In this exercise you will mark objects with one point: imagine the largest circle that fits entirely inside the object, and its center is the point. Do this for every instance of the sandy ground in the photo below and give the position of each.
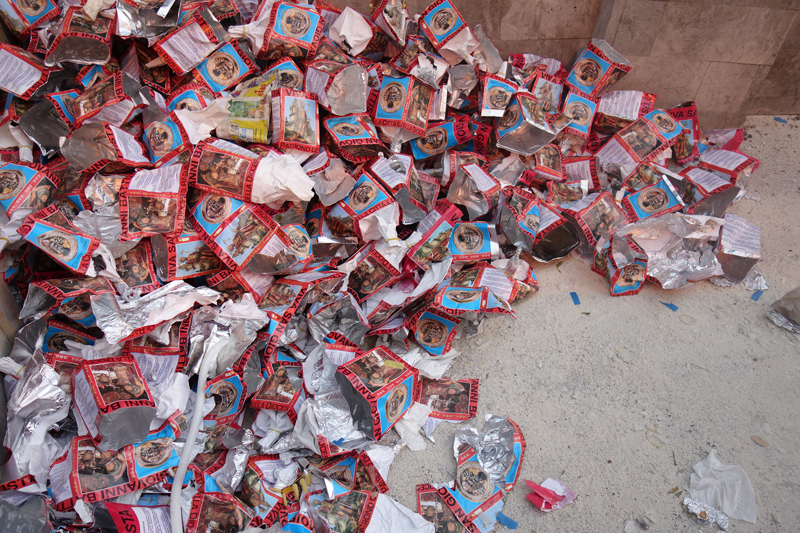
(586, 382)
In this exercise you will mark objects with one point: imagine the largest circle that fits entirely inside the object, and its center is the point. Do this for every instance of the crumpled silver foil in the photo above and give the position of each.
(103, 191)
(37, 302)
(104, 224)
(460, 82)
(28, 339)
(341, 317)
(348, 92)
(706, 514)
(118, 318)
(328, 416)
(679, 259)
(229, 476)
(36, 403)
(783, 322)
(495, 448)
(755, 281)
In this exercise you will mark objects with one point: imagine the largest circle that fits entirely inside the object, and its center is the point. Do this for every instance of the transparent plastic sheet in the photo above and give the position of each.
(348, 92)
(119, 318)
(723, 487)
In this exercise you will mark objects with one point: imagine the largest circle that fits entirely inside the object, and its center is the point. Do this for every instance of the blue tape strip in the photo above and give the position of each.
(506, 521)
(756, 295)
(671, 307)
(779, 119)
(575, 299)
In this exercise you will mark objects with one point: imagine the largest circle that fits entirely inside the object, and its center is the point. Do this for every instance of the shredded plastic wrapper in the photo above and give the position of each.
(244, 236)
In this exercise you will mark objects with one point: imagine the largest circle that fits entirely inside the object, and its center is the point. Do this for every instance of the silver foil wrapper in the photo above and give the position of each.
(495, 448)
(44, 126)
(28, 339)
(783, 322)
(29, 517)
(104, 225)
(220, 337)
(464, 192)
(342, 317)
(103, 191)
(675, 256)
(754, 281)
(37, 302)
(36, 403)
(229, 476)
(118, 318)
(348, 92)
(328, 415)
(706, 514)
(333, 183)
(87, 145)
(486, 56)
(460, 82)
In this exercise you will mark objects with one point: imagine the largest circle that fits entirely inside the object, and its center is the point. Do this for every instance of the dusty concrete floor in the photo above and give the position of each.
(586, 382)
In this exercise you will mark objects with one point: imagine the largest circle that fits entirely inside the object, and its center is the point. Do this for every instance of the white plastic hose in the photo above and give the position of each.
(176, 519)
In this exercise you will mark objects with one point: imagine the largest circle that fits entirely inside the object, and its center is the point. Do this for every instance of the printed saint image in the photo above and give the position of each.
(374, 371)
(434, 510)
(222, 171)
(368, 277)
(300, 120)
(473, 483)
(468, 238)
(119, 381)
(243, 235)
(133, 267)
(603, 218)
(100, 470)
(445, 395)
(418, 108)
(159, 139)
(200, 259)
(278, 387)
(641, 138)
(222, 68)
(151, 215)
(60, 245)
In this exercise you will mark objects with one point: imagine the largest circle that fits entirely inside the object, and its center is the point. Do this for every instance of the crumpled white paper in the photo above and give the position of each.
(408, 427)
(351, 31)
(281, 179)
(391, 516)
(725, 487)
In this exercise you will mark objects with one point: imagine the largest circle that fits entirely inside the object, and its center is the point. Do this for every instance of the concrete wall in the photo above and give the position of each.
(733, 57)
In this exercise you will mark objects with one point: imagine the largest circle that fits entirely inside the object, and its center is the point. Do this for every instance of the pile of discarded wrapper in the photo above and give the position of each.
(293, 210)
